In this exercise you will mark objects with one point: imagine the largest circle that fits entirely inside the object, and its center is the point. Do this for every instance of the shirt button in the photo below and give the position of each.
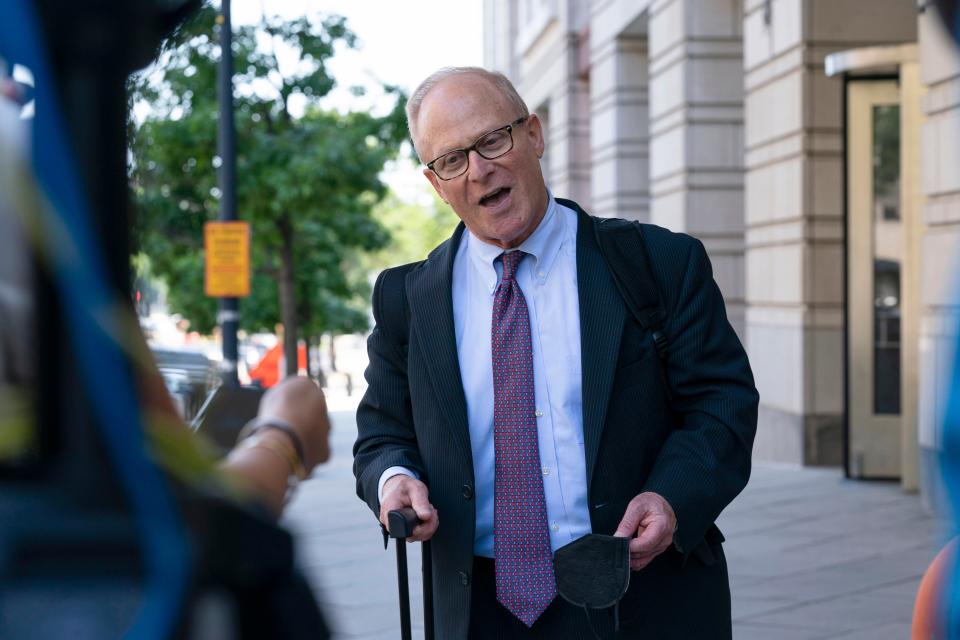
(546, 471)
(540, 273)
(467, 491)
(555, 527)
(538, 413)
(465, 578)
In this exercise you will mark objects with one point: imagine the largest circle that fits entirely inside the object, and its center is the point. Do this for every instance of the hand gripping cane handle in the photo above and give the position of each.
(401, 523)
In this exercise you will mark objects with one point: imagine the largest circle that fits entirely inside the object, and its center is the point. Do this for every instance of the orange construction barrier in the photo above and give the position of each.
(268, 371)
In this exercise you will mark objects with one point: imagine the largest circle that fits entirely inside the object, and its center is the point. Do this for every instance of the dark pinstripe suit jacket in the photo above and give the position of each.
(693, 449)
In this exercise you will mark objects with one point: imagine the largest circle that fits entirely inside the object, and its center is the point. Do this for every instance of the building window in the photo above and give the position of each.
(534, 16)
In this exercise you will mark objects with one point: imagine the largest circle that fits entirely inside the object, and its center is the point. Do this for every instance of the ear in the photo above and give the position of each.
(534, 132)
(435, 181)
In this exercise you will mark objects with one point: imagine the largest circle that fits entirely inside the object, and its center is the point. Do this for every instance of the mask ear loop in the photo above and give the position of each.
(616, 621)
(586, 612)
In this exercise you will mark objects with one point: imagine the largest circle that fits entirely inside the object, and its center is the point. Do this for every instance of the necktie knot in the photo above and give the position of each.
(511, 261)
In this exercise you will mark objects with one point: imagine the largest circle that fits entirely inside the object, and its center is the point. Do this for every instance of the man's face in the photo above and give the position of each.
(501, 201)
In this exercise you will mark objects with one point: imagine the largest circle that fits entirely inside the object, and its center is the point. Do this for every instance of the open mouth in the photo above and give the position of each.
(494, 198)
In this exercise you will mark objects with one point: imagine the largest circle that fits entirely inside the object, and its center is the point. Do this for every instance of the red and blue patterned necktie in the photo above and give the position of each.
(524, 563)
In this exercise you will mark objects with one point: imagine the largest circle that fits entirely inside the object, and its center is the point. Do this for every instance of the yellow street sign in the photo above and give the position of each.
(227, 246)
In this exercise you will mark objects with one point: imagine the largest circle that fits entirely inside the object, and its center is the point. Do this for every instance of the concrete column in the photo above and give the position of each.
(500, 36)
(619, 118)
(794, 213)
(696, 132)
(551, 81)
(940, 313)
(569, 133)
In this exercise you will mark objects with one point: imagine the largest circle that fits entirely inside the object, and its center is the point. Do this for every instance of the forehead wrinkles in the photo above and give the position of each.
(457, 112)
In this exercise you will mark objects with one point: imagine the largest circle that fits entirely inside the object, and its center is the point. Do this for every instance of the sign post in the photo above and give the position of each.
(229, 316)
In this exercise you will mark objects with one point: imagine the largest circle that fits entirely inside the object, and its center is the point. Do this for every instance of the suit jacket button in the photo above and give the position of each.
(465, 578)
(467, 491)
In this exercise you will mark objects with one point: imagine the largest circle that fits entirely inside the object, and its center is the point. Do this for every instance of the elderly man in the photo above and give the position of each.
(517, 405)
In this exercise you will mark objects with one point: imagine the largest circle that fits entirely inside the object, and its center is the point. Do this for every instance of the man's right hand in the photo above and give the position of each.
(403, 491)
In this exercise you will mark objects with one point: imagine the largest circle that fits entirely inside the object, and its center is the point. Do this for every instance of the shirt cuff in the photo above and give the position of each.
(389, 473)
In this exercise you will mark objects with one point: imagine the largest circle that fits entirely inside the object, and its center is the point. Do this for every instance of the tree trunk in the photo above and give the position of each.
(333, 353)
(288, 302)
(319, 377)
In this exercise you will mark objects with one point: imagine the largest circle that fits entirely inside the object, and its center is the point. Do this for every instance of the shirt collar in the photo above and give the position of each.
(543, 245)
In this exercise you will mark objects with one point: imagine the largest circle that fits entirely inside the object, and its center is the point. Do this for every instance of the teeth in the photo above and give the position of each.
(491, 194)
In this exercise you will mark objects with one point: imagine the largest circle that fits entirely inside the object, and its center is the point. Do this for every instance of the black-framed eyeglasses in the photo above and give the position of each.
(490, 145)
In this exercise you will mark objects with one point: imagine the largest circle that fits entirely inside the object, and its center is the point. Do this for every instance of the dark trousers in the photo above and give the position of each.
(489, 620)
(649, 611)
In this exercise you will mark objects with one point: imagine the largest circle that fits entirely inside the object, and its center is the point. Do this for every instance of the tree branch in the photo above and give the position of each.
(284, 89)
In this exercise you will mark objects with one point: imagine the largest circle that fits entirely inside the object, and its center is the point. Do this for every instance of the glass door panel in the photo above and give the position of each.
(875, 251)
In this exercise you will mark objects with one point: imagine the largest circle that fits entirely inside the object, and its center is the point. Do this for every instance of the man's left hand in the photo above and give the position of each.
(650, 521)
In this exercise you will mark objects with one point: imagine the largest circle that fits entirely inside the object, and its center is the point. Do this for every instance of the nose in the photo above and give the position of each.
(478, 167)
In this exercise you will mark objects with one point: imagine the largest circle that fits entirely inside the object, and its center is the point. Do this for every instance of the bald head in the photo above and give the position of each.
(494, 82)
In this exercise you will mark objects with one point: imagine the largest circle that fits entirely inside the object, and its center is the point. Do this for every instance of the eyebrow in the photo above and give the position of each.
(471, 141)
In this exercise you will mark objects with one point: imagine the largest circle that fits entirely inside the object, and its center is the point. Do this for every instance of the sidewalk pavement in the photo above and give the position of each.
(811, 555)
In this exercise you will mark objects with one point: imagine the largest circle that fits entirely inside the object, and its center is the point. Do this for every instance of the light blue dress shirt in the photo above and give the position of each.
(548, 279)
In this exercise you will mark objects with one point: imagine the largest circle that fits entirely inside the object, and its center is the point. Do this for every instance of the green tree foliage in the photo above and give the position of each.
(415, 229)
(306, 183)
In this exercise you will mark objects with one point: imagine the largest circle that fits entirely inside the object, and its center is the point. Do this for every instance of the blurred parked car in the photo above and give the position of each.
(189, 375)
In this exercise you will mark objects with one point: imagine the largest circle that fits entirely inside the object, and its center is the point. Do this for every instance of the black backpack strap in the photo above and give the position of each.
(624, 249)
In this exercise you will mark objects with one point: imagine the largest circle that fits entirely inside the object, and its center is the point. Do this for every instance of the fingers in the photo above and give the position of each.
(649, 538)
(300, 402)
(650, 519)
(323, 439)
(630, 522)
(419, 498)
(426, 528)
(403, 491)
(396, 495)
(420, 501)
(652, 541)
(638, 510)
(636, 564)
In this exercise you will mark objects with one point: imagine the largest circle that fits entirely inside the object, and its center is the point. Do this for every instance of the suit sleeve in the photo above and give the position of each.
(705, 461)
(385, 433)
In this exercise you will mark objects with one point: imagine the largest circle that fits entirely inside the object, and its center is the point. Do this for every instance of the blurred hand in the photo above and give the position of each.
(403, 491)
(300, 402)
(650, 521)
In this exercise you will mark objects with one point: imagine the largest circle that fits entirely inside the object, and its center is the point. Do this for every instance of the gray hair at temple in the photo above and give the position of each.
(497, 79)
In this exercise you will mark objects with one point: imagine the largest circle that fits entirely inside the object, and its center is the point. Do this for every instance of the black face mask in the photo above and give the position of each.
(593, 572)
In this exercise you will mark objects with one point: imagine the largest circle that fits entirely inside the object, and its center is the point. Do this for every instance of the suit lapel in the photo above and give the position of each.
(602, 314)
(431, 313)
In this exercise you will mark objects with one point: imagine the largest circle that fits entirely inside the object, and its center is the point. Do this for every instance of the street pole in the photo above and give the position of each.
(229, 315)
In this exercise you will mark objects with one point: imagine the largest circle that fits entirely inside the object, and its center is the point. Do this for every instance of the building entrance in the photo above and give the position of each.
(882, 121)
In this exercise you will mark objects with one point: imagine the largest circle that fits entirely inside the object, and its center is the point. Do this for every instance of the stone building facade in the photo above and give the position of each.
(812, 145)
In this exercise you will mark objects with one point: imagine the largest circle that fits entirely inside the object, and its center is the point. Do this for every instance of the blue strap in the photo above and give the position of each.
(950, 468)
(96, 316)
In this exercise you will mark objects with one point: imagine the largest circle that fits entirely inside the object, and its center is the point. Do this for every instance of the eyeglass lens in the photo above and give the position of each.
(493, 145)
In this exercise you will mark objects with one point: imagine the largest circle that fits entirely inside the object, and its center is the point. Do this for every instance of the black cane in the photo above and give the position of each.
(427, 564)
(401, 524)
